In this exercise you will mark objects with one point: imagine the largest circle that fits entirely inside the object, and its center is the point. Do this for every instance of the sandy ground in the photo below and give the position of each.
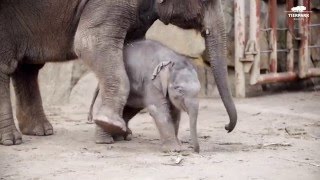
(277, 137)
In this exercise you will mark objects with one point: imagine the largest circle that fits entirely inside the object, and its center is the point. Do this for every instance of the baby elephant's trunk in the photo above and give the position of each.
(192, 110)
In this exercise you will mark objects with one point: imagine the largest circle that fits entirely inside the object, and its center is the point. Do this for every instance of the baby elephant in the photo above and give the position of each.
(165, 83)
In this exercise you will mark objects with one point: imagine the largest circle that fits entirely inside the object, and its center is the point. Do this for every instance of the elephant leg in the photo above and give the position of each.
(101, 49)
(90, 114)
(8, 131)
(176, 116)
(101, 136)
(128, 113)
(161, 115)
(30, 114)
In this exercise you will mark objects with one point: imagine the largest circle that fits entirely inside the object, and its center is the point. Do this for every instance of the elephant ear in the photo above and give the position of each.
(160, 76)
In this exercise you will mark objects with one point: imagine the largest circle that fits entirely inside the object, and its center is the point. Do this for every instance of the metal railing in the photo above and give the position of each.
(247, 50)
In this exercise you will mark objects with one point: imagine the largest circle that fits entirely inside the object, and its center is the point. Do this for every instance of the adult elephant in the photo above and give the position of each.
(33, 33)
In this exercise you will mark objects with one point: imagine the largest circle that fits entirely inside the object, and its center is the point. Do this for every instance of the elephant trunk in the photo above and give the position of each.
(215, 41)
(192, 106)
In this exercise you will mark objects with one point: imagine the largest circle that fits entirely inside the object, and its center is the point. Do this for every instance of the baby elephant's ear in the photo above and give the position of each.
(160, 76)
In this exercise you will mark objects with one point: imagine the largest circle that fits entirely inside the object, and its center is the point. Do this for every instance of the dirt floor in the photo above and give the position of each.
(277, 137)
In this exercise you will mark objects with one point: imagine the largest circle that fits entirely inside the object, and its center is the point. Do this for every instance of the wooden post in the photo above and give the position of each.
(239, 27)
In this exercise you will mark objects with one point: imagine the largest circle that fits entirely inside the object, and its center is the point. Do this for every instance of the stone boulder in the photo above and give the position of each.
(186, 42)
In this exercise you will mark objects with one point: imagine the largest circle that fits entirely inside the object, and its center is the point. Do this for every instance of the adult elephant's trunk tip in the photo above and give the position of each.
(232, 112)
(229, 127)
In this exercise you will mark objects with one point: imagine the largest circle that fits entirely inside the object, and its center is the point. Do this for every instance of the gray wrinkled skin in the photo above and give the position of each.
(165, 83)
(35, 32)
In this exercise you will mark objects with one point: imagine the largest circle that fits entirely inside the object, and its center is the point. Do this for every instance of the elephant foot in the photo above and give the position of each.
(127, 136)
(102, 137)
(171, 146)
(40, 127)
(118, 138)
(10, 136)
(196, 148)
(115, 126)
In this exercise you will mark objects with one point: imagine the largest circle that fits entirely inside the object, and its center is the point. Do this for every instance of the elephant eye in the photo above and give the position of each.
(178, 89)
(203, 1)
